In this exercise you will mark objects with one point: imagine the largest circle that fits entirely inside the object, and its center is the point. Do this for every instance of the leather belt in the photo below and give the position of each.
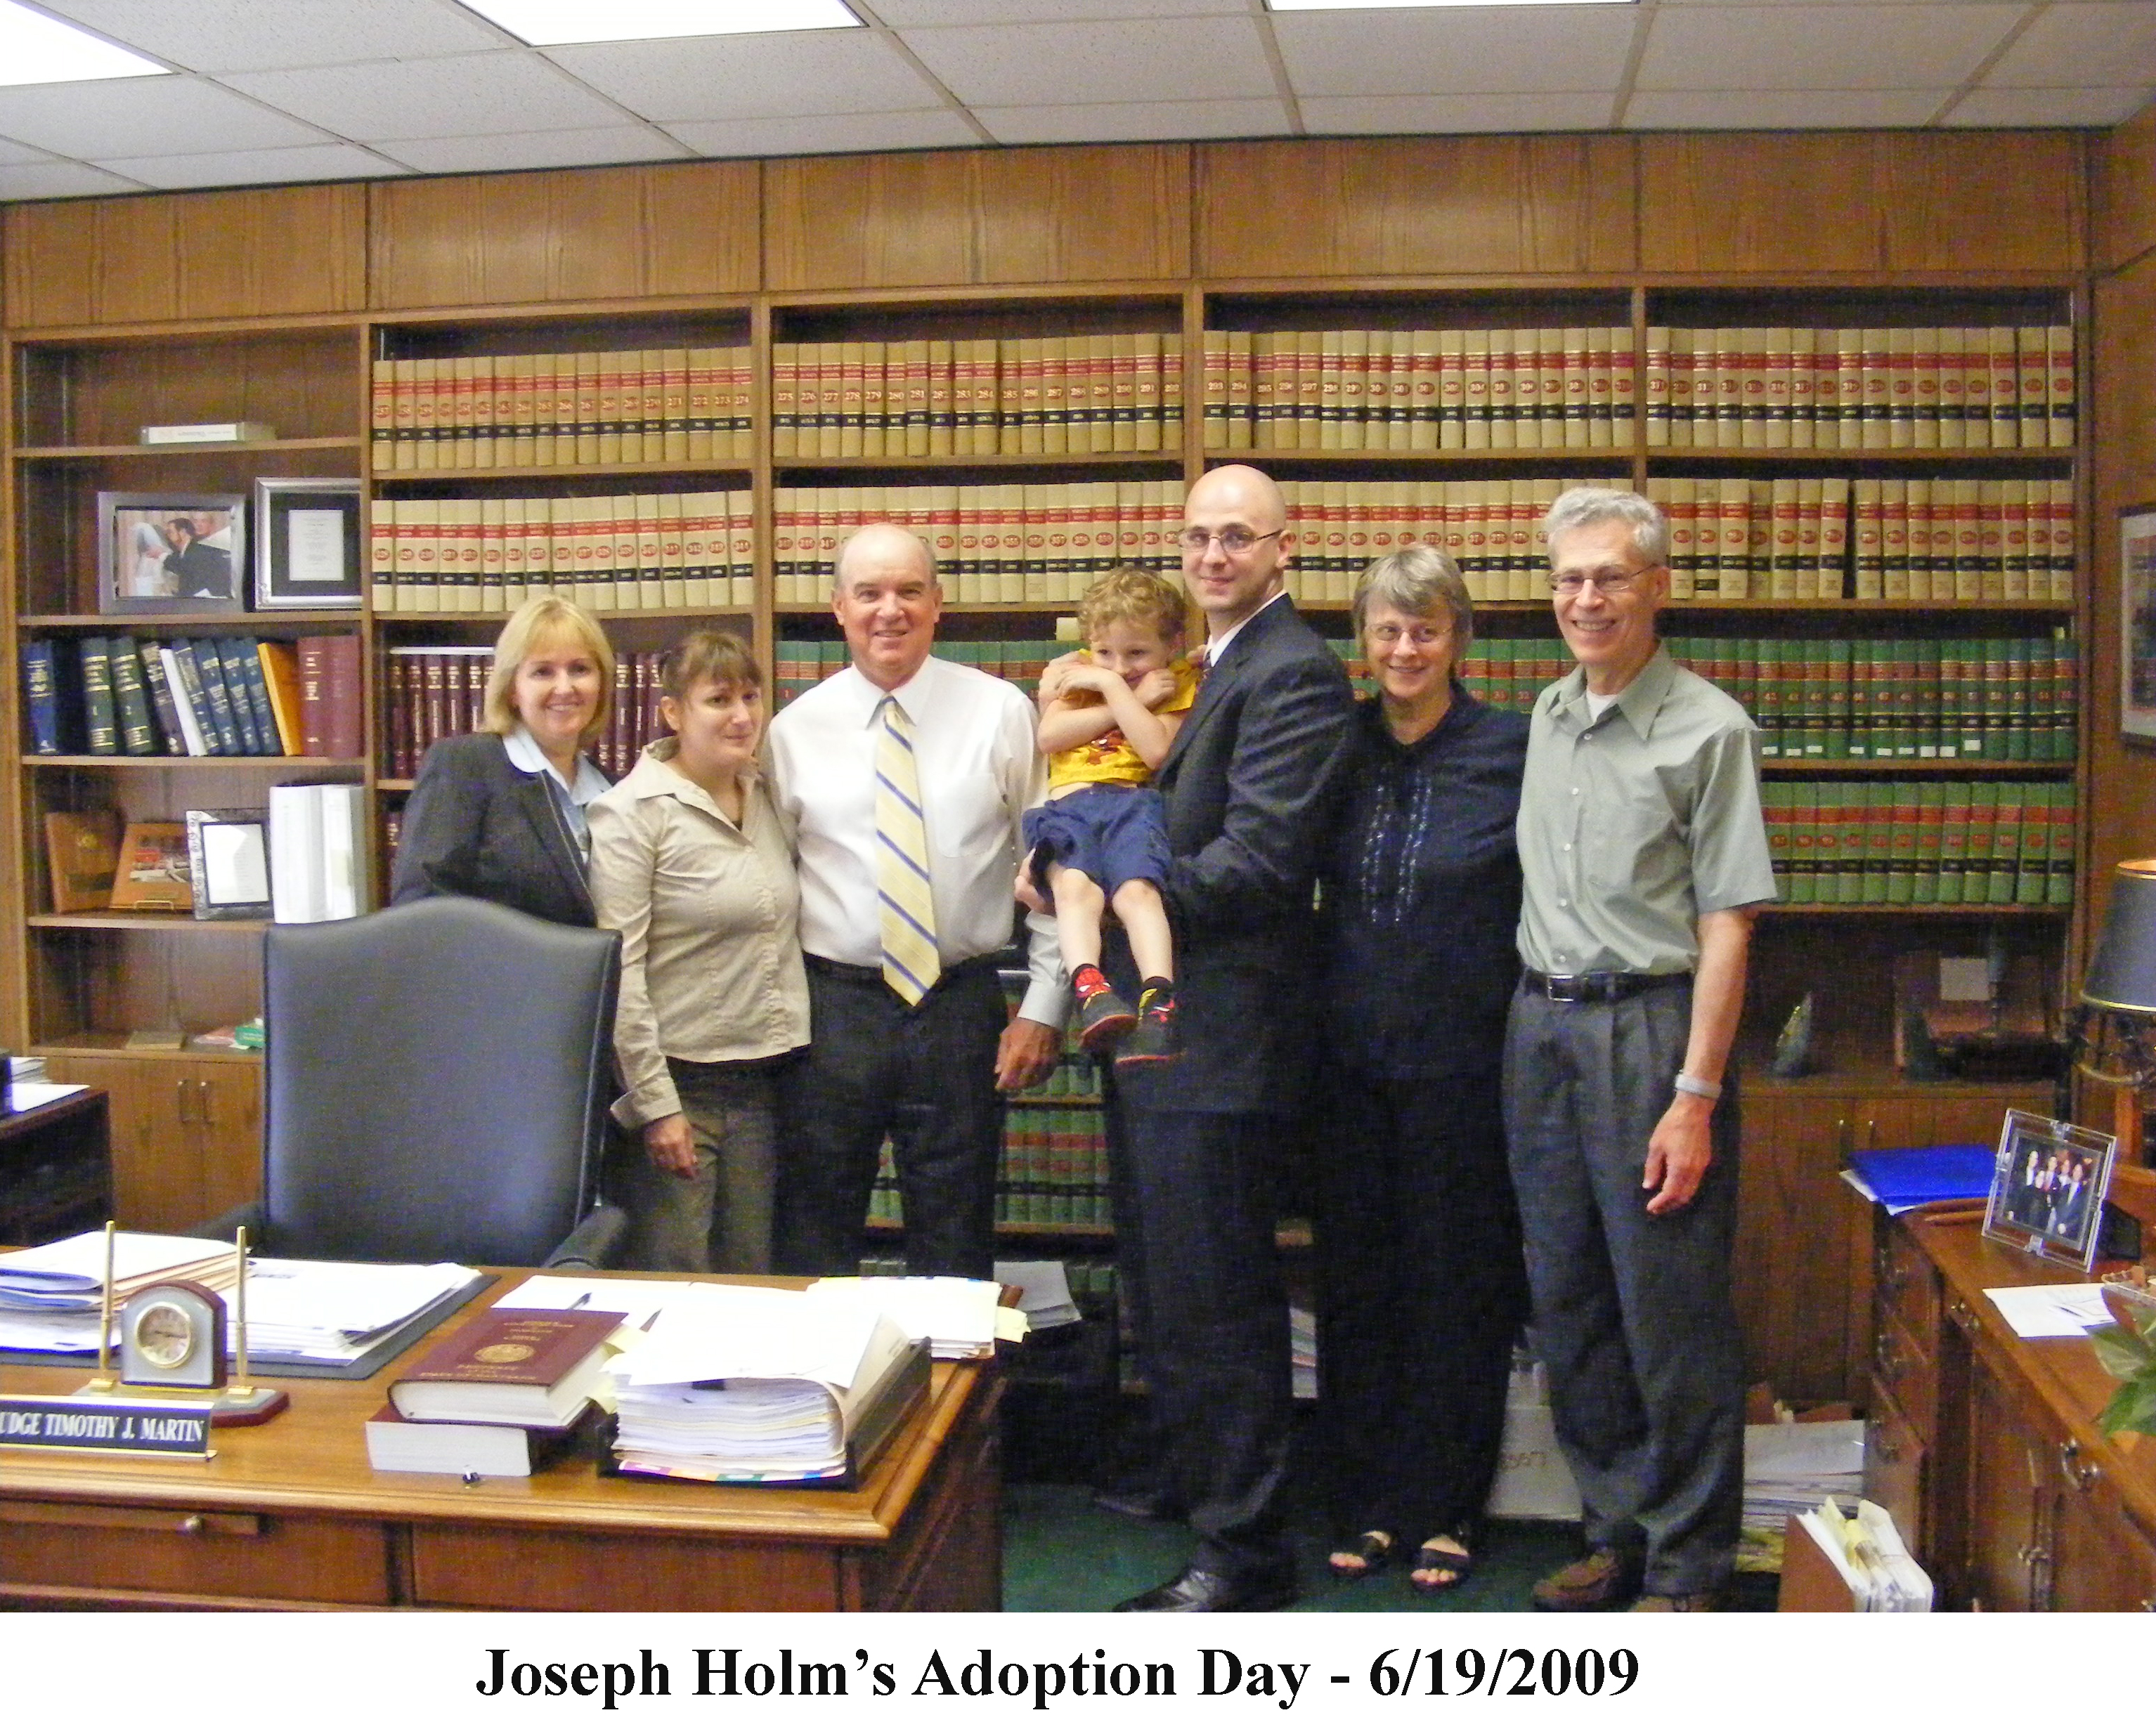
(1599, 988)
(866, 975)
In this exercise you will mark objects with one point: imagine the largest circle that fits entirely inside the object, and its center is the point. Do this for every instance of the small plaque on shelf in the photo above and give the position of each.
(153, 873)
(207, 433)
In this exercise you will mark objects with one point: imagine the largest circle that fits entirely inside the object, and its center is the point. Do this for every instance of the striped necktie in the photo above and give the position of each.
(910, 964)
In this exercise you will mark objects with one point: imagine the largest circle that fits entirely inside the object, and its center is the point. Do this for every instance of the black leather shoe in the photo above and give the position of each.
(1199, 1591)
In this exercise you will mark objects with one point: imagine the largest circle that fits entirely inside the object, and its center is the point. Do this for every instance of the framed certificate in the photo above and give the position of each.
(306, 543)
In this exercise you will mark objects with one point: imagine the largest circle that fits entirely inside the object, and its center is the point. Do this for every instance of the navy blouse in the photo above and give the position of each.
(1420, 896)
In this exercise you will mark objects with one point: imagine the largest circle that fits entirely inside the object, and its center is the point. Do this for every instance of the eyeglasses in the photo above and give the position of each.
(1236, 541)
(1609, 580)
(1421, 636)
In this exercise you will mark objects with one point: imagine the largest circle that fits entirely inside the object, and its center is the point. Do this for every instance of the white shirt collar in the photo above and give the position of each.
(525, 754)
(1216, 649)
(913, 696)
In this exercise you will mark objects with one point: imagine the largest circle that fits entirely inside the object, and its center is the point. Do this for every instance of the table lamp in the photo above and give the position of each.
(2112, 1035)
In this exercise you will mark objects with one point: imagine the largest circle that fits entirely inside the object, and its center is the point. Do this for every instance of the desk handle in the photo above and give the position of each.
(1963, 1314)
(2083, 1475)
(1884, 1448)
(1887, 1364)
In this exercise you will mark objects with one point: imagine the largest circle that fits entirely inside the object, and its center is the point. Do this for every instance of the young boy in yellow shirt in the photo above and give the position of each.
(1107, 716)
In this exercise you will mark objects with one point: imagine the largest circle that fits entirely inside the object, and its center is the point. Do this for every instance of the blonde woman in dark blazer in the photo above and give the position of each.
(499, 814)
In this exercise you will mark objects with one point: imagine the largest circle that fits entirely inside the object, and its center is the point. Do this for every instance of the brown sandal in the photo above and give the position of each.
(1442, 1553)
(1372, 1550)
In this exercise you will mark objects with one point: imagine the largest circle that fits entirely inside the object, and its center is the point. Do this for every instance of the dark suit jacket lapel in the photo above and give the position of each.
(537, 802)
(1220, 680)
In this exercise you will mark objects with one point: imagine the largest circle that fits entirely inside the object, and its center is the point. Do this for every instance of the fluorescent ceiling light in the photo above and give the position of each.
(35, 50)
(1420, 5)
(545, 23)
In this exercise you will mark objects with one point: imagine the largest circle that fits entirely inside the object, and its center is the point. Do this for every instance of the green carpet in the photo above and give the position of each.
(1064, 1554)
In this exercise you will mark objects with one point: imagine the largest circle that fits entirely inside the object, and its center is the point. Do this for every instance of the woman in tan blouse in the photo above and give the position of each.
(691, 864)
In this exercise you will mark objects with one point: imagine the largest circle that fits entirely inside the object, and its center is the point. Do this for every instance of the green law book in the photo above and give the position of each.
(1954, 801)
(1902, 799)
(1878, 847)
(1931, 814)
(1800, 876)
(2003, 853)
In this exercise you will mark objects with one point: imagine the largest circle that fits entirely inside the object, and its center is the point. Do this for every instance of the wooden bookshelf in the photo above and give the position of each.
(275, 305)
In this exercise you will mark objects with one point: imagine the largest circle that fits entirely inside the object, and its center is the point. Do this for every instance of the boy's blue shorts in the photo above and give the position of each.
(1111, 833)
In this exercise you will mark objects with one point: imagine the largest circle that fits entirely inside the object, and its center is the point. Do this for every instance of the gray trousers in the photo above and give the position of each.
(718, 1218)
(1632, 1312)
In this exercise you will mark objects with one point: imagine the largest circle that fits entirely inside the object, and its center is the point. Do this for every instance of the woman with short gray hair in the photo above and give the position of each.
(1421, 1287)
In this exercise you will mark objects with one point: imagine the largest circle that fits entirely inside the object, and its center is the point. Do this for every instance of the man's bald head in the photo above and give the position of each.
(1234, 503)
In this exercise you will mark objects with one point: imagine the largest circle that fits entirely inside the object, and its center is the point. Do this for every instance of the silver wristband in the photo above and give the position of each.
(1699, 1087)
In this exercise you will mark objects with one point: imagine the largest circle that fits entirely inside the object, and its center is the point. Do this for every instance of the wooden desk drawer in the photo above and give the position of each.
(1908, 1372)
(1906, 1286)
(205, 1552)
(453, 1566)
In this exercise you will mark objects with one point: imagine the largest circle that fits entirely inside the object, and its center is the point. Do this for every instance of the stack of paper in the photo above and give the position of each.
(1868, 1551)
(1044, 1291)
(303, 1309)
(958, 1316)
(737, 1383)
(51, 1296)
(1790, 1466)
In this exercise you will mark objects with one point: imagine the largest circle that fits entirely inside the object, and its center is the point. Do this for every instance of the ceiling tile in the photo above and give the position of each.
(734, 77)
(2078, 45)
(1367, 54)
(819, 134)
(1742, 110)
(581, 148)
(1095, 123)
(1524, 111)
(138, 117)
(908, 14)
(1822, 48)
(60, 180)
(257, 35)
(475, 93)
(254, 168)
(2018, 107)
(1143, 60)
(12, 153)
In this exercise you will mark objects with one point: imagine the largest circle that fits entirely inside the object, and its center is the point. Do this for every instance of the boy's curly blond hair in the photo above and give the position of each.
(1135, 593)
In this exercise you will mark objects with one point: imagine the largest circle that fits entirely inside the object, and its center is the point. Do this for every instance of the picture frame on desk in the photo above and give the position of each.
(2136, 622)
(2048, 1186)
(307, 542)
(228, 857)
(161, 553)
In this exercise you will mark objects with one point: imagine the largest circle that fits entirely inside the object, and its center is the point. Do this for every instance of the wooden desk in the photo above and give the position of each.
(55, 1168)
(1984, 1445)
(290, 1515)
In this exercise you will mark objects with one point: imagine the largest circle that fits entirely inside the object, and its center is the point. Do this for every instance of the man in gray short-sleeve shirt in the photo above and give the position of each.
(1644, 856)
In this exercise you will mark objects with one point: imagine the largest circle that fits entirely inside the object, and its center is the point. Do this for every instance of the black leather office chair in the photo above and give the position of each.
(439, 1075)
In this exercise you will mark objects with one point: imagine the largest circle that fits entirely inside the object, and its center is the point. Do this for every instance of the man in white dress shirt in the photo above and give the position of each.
(904, 778)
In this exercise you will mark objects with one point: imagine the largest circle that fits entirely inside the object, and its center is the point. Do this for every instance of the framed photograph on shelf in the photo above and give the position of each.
(172, 553)
(306, 543)
(229, 855)
(2048, 1186)
(2136, 622)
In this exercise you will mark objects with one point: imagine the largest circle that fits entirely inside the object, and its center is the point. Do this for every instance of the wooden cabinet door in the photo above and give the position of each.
(2008, 1485)
(156, 1168)
(2100, 1561)
(225, 1108)
(1802, 1284)
(186, 1135)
